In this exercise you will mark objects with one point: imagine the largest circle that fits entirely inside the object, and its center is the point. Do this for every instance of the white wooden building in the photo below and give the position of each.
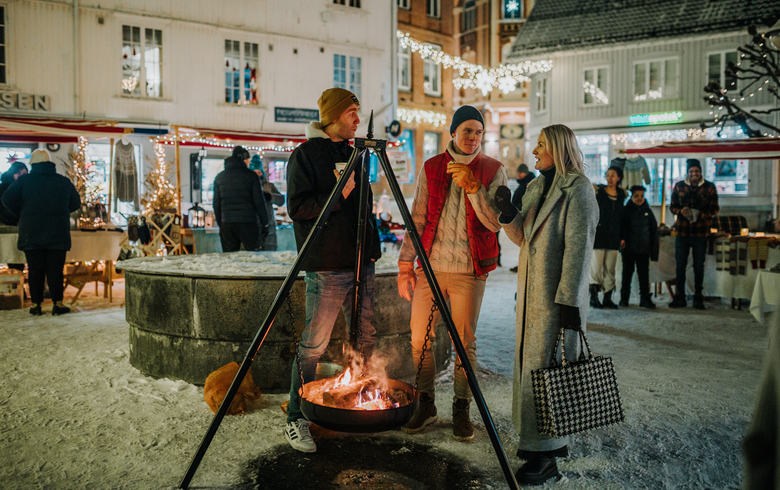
(237, 65)
(631, 75)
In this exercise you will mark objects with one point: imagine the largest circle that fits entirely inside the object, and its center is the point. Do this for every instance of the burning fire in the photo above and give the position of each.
(356, 392)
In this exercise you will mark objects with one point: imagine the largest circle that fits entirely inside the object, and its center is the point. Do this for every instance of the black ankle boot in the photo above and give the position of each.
(624, 299)
(607, 303)
(540, 468)
(594, 296)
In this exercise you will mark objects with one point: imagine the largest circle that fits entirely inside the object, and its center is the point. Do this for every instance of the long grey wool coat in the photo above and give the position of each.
(556, 244)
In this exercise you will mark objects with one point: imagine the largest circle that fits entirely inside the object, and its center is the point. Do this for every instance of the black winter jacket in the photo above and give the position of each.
(43, 201)
(6, 218)
(610, 219)
(238, 195)
(517, 197)
(640, 230)
(310, 181)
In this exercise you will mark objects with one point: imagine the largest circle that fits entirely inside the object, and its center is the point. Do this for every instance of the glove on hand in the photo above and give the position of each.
(267, 196)
(570, 318)
(264, 230)
(407, 279)
(504, 204)
(464, 177)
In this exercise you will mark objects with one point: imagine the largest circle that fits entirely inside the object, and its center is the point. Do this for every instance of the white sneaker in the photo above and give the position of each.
(298, 435)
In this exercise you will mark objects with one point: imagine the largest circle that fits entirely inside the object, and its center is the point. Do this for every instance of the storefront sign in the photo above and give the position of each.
(292, 115)
(649, 119)
(18, 101)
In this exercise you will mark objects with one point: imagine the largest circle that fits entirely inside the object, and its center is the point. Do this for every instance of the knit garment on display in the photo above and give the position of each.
(722, 254)
(738, 256)
(125, 174)
(635, 172)
(758, 251)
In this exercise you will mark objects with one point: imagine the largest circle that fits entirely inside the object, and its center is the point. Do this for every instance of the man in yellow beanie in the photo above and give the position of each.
(330, 265)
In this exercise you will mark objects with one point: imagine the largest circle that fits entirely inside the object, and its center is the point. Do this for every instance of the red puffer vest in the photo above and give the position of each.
(482, 242)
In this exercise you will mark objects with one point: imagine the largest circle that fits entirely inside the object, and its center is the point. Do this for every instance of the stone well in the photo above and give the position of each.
(191, 314)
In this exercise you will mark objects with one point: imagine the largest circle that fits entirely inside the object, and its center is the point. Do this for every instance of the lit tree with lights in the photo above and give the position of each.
(758, 70)
(160, 193)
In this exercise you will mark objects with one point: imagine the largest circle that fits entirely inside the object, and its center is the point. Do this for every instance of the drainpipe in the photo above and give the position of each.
(393, 62)
(76, 102)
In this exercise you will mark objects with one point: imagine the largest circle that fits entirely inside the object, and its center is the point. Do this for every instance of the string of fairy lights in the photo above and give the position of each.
(505, 77)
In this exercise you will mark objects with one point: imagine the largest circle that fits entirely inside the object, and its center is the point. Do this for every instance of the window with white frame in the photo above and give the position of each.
(541, 94)
(433, 8)
(348, 3)
(347, 76)
(716, 69)
(141, 61)
(595, 85)
(512, 9)
(2, 46)
(403, 4)
(656, 79)
(241, 65)
(432, 75)
(404, 68)
(469, 18)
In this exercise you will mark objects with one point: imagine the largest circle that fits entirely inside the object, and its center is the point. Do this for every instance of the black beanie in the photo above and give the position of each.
(692, 162)
(463, 114)
(241, 153)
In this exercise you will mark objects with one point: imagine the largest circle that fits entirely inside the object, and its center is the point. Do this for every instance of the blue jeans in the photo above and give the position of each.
(698, 245)
(326, 293)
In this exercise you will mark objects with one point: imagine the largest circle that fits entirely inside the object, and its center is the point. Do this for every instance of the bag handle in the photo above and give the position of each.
(561, 341)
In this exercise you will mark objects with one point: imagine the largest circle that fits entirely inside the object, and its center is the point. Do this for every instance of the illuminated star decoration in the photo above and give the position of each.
(512, 6)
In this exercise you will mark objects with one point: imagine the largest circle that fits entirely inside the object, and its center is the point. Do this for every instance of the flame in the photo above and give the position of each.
(344, 379)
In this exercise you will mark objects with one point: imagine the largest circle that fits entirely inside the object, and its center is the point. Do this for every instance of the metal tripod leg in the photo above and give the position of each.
(281, 296)
(363, 255)
(411, 231)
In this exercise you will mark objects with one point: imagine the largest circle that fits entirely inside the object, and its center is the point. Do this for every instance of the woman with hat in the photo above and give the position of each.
(43, 201)
(610, 198)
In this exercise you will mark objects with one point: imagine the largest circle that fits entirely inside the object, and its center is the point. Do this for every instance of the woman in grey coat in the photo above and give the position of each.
(555, 232)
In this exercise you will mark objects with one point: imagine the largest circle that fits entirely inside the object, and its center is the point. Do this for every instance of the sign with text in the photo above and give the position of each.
(18, 101)
(650, 119)
(400, 162)
(293, 115)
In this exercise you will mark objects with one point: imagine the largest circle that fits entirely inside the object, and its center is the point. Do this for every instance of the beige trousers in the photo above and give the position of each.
(602, 268)
(464, 294)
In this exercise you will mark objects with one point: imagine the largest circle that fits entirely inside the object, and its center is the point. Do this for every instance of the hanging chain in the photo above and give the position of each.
(359, 325)
(296, 338)
(434, 307)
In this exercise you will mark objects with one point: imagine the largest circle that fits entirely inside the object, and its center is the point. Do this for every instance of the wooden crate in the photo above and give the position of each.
(11, 289)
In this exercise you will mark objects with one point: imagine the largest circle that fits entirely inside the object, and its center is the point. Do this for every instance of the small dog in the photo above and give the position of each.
(218, 383)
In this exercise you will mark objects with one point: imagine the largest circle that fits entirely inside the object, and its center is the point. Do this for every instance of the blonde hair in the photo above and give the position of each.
(563, 147)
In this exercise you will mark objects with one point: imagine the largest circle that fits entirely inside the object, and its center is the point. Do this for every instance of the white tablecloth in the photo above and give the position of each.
(85, 246)
(766, 295)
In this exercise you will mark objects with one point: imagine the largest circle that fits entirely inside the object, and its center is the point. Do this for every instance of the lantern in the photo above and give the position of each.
(196, 216)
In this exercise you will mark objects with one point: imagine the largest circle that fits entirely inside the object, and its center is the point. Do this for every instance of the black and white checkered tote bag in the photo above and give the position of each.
(574, 397)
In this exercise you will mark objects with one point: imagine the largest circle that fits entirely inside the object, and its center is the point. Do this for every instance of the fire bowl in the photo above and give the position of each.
(361, 421)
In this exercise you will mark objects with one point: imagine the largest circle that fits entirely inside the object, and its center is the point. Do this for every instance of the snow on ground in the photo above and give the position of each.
(75, 414)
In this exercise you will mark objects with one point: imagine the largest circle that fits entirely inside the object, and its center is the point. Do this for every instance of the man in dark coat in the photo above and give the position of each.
(330, 264)
(524, 177)
(639, 231)
(43, 201)
(239, 204)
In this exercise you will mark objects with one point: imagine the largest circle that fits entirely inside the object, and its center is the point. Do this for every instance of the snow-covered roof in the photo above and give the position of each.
(558, 25)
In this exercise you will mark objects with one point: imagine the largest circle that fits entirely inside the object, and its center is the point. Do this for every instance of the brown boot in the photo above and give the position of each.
(424, 416)
(462, 429)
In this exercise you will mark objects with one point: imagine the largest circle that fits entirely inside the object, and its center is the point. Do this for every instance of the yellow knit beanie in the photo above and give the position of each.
(333, 102)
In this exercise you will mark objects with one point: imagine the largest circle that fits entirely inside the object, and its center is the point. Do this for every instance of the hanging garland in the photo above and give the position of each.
(504, 77)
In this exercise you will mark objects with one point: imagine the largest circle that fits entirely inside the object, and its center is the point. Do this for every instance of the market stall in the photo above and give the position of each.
(94, 248)
(205, 238)
(728, 283)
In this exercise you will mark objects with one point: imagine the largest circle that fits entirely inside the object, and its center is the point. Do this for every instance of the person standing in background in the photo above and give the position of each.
(239, 205)
(43, 201)
(695, 202)
(639, 232)
(272, 197)
(610, 199)
(524, 177)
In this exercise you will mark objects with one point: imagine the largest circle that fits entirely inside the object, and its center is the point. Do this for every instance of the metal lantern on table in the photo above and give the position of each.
(196, 216)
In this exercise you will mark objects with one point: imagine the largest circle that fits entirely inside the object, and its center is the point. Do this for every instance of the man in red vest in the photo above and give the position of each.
(457, 225)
